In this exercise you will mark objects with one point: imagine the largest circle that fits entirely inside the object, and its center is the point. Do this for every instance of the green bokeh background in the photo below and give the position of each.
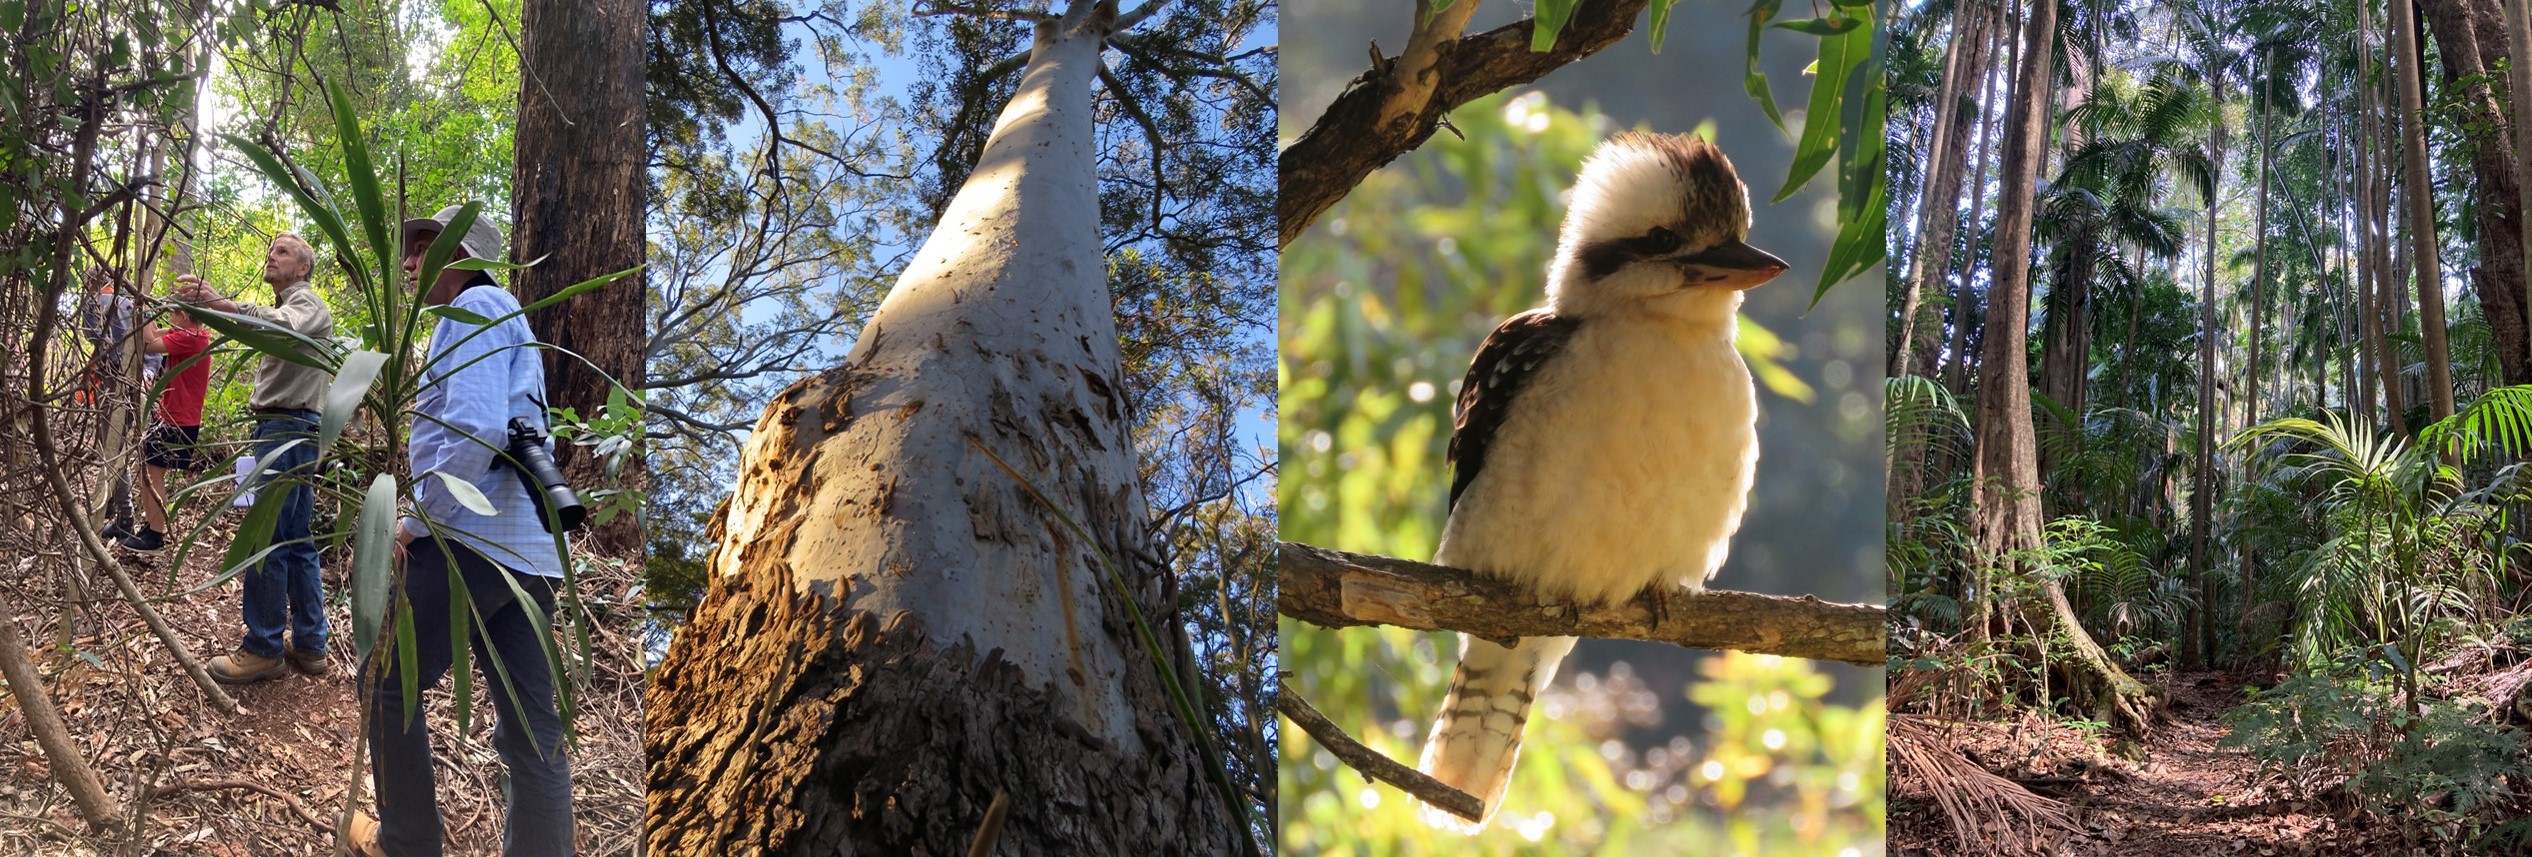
(1638, 748)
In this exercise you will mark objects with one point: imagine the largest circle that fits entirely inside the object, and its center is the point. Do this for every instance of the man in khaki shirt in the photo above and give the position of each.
(283, 592)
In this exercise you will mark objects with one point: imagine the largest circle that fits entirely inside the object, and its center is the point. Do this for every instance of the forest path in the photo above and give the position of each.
(142, 723)
(2184, 796)
(2190, 797)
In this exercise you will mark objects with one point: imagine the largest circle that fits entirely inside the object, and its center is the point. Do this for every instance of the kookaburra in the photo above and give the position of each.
(1603, 445)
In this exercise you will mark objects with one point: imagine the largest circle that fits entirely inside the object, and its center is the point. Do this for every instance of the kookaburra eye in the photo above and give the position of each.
(1660, 241)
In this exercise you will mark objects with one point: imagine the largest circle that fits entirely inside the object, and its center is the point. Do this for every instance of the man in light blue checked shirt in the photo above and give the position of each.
(477, 378)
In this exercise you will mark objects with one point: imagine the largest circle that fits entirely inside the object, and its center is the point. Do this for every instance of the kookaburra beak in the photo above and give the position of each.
(1732, 265)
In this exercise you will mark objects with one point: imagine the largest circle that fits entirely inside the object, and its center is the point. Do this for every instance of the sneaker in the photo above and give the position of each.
(116, 530)
(145, 541)
(245, 667)
(360, 838)
(307, 663)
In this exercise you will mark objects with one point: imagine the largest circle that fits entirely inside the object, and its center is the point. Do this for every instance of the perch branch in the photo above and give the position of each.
(1367, 127)
(1370, 762)
(1336, 589)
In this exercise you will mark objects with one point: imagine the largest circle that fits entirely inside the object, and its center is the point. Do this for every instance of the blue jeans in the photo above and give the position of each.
(528, 731)
(283, 590)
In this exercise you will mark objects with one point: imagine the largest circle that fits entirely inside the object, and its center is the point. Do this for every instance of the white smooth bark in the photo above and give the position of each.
(1000, 333)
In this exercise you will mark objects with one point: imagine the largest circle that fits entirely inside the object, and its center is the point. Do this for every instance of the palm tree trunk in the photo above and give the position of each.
(2198, 648)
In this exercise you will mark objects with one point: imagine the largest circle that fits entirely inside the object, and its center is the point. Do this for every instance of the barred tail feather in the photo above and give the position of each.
(1478, 737)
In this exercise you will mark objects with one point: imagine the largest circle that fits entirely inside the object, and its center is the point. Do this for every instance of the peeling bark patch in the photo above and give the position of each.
(783, 724)
(1099, 387)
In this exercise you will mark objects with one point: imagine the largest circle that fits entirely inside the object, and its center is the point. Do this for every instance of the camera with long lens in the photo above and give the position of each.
(542, 479)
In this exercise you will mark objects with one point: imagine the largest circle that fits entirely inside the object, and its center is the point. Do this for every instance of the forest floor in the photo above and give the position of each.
(2183, 797)
(270, 780)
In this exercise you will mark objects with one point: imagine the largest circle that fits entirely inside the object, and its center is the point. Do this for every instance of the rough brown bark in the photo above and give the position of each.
(1335, 589)
(849, 732)
(577, 191)
(1350, 140)
(2007, 470)
(2470, 39)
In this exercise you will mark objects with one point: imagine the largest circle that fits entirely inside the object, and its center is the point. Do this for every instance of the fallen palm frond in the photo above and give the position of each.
(1988, 814)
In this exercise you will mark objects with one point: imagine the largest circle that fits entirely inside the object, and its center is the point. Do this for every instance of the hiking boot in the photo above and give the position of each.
(245, 667)
(116, 530)
(145, 541)
(307, 663)
(360, 838)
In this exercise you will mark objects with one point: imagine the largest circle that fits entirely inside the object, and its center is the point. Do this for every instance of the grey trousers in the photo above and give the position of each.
(528, 734)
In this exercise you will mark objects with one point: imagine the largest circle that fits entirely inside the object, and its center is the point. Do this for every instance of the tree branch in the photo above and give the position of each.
(1335, 589)
(1351, 139)
(1369, 762)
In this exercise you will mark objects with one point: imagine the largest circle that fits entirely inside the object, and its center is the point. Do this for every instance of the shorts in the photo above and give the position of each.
(171, 447)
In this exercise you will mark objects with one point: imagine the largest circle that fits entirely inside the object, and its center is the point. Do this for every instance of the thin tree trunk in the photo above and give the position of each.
(911, 607)
(44, 724)
(1955, 369)
(1982, 600)
(2200, 645)
(2420, 197)
(1938, 221)
(578, 192)
(1938, 211)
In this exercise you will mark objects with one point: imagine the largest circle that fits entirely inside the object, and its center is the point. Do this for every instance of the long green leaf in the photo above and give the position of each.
(373, 565)
(1839, 57)
(363, 177)
(351, 384)
(467, 494)
(256, 530)
(327, 219)
(1550, 18)
(267, 338)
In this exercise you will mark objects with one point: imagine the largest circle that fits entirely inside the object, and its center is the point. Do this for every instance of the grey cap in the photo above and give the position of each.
(482, 241)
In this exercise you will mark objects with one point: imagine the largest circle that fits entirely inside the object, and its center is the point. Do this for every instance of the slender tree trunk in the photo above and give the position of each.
(577, 190)
(911, 606)
(2201, 643)
(2406, 56)
(1938, 220)
(1955, 371)
(1938, 210)
(2390, 305)
(2266, 140)
(44, 724)
(1965, 324)
(2007, 468)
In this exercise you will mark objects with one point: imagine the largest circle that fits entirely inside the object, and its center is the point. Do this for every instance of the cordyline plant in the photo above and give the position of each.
(378, 372)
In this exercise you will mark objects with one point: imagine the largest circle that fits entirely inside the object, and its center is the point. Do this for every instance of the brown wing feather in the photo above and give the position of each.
(1507, 361)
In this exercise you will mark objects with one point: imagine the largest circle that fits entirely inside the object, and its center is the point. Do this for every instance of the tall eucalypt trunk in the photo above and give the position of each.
(899, 627)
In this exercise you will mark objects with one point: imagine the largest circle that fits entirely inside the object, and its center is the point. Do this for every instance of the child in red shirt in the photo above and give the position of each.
(179, 424)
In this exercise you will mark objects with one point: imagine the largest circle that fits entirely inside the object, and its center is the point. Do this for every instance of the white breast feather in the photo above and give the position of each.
(1625, 464)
